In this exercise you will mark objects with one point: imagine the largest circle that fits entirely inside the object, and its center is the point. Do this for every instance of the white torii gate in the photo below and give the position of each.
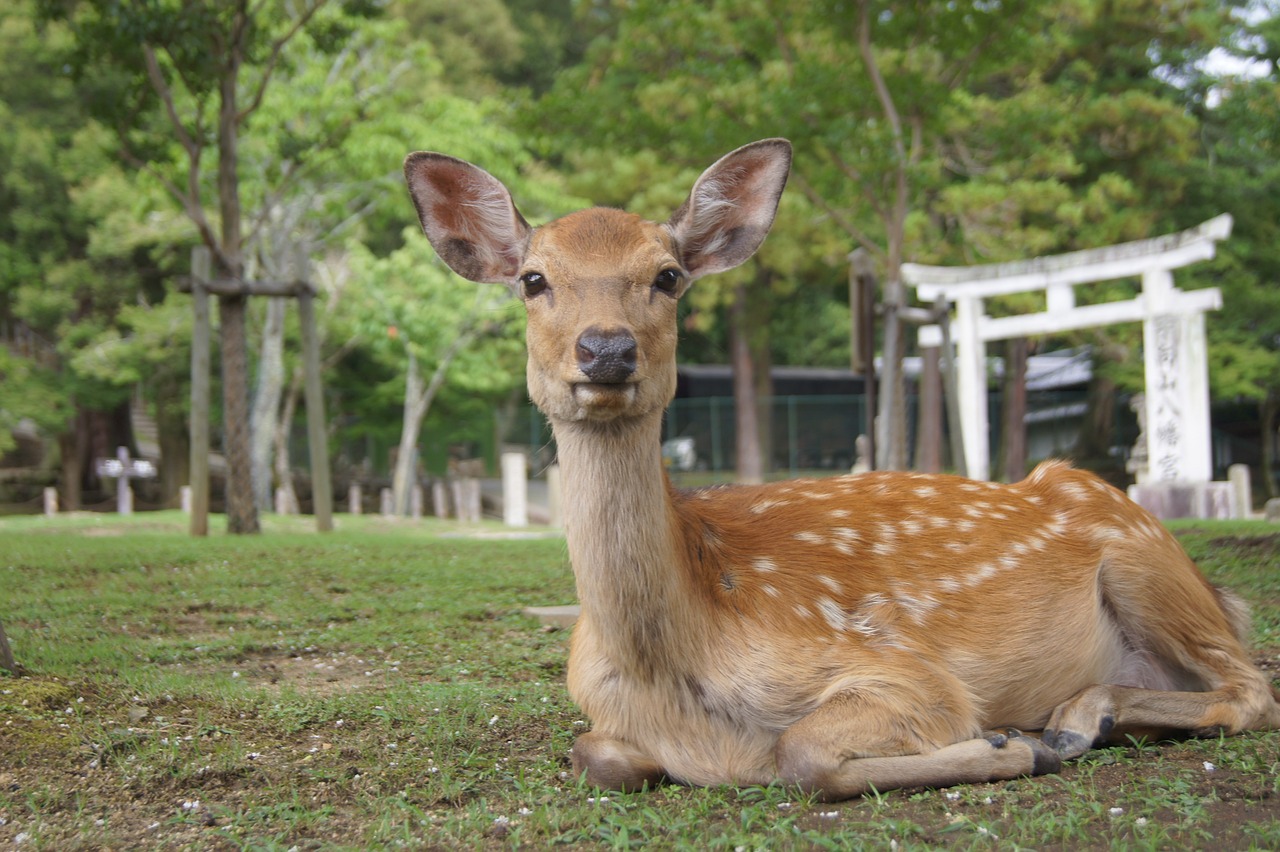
(1177, 374)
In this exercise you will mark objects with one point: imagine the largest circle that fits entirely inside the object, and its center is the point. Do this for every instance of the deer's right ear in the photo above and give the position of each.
(468, 216)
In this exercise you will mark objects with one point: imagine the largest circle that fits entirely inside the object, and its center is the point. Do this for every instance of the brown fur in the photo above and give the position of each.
(844, 634)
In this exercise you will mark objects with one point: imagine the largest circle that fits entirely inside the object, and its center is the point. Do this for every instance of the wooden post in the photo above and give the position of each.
(1013, 455)
(355, 499)
(863, 273)
(50, 502)
(201, 270)
(321, 487)
(950, 392)
(929, 430)
(6, 653)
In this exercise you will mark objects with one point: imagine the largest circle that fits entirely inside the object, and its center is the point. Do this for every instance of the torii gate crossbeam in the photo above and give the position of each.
(1176, 367)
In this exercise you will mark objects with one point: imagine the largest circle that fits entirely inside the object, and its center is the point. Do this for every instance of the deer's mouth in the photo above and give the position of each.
(604, 395)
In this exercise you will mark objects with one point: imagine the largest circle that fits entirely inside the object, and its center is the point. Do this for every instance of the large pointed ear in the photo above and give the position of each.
(731, 207)
(468, 216)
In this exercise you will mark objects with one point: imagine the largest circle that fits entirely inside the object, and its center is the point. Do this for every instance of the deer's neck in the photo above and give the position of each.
(625, 546)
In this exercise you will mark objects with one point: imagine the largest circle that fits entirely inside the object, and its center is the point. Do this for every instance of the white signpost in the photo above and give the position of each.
(123, 469)
(1177, 379)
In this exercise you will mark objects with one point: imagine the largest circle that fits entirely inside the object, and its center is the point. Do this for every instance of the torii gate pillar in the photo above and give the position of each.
(1175, 351)
(1176, 362)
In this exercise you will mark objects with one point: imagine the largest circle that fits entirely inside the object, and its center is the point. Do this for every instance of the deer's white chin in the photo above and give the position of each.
(603, 401)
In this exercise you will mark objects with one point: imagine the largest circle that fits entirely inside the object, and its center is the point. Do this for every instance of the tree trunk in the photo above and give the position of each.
(1013, 429)
(417, 402)
(929, 435)
(72, 466)
(175, 451)
(242, 513)
(281, 431)
(266, 401)
(1269, 412)
(1093, 443)
(746, 411)
(405, 474)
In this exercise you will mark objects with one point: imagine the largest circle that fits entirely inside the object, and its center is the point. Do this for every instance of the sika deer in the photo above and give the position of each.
(841, 634)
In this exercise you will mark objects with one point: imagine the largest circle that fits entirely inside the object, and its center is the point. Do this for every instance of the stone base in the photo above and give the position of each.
(1167, 500)
(559, 617)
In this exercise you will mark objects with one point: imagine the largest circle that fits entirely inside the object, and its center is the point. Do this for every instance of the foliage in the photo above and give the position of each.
(936, 132)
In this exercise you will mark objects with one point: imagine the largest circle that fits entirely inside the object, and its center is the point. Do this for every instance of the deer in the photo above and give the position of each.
(843, 635)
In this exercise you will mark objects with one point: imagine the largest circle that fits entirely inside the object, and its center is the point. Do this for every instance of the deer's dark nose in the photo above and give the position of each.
(607, 357)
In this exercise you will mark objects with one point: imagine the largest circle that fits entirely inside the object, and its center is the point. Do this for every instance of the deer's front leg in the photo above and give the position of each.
(855, 744)
(614, 765)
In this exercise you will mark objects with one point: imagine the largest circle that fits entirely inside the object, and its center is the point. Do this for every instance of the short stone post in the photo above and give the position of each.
(515, 490)
(355, 499)
(440, 498)
(1241, 491)
(184, 499)
(415, 502)
(50, 502)
(386, 506)
(466, 499)
(1272, 511)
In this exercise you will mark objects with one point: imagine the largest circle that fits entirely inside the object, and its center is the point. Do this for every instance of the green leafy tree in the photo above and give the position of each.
(939, 132)
(179, 84)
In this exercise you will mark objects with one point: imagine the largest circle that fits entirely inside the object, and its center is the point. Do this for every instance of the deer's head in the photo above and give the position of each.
(600, 286)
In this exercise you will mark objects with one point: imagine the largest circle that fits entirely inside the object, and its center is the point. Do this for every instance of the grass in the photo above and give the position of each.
(378, 687)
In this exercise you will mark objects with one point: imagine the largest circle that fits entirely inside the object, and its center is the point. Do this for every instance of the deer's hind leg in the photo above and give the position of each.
(1196, 676)
(858, 742)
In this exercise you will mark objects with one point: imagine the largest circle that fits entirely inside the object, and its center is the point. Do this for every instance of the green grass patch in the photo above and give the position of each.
(379, 686)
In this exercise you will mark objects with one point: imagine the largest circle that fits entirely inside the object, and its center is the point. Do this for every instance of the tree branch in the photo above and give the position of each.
(161, 86)
(818, 200)
(273, 60)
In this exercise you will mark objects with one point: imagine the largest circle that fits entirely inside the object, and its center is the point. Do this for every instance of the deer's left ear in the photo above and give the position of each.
(731, 208)
(468, 216)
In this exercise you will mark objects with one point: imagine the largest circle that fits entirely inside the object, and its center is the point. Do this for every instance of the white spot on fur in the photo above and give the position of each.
(926, 491)
(950, 585)
(764, 564)
(984, 571)
(839, 513)
(810, 537)
(911, 526)
(769, 590)
(765, 505)
(832, 612)
(965, 525)
(830, 583)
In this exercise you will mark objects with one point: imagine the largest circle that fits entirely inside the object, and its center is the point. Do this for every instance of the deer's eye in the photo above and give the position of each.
(532, 284)
(667, 281)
